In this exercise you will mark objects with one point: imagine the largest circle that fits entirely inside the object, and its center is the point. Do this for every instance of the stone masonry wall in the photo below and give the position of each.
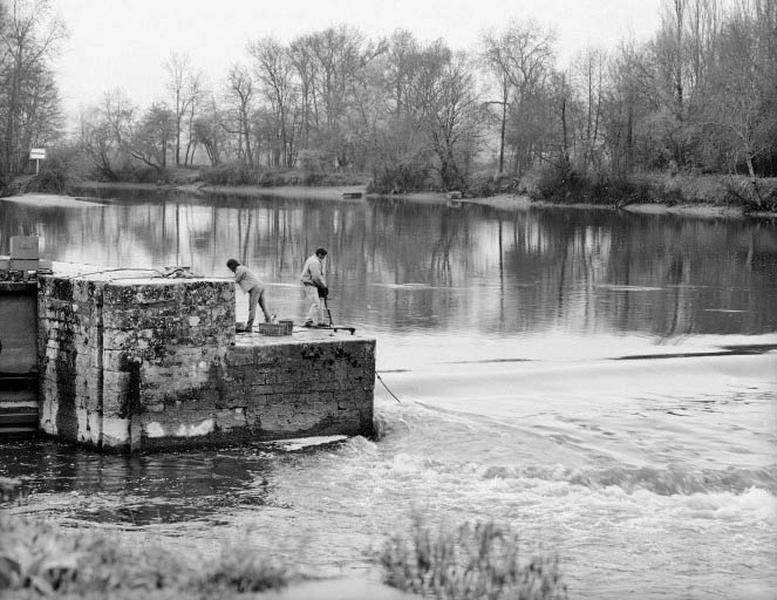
(70, 358)
(147, 364)
(270, 388)
(162, 340)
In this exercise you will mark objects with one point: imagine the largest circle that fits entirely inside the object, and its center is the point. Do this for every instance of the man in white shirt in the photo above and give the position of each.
(314, 283)
(251, 285)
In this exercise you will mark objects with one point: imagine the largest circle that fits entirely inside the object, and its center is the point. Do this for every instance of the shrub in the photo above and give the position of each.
(398, 179)
(146, 174)
(557, 184)
(313, 178)
(483, 185)
(51, 179)
(753, 194)
(312, 160)
(57, 174)
(560, 184)
(231, 174)
(471, 562)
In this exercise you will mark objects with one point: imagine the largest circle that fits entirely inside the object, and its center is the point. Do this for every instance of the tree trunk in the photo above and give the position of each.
(565, 149)
(505, 98)
(178, 114)
(750, 169)
(629, 140)
(247, 139)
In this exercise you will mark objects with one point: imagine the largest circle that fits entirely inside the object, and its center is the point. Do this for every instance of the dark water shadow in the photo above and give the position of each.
(138, 490)
(738, 350)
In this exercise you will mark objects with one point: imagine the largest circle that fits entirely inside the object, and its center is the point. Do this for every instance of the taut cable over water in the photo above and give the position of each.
(377, 374)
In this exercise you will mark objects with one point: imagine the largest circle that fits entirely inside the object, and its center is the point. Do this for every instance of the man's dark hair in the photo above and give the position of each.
(321, 252)
(232, 264)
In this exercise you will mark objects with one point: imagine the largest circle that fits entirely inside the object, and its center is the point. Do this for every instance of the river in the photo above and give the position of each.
(604, 382)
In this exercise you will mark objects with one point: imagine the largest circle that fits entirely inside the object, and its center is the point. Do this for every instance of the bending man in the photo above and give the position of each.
(251, 285)
(315, 288)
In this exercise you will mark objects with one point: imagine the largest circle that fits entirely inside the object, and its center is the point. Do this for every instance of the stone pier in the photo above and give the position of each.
(144, 364)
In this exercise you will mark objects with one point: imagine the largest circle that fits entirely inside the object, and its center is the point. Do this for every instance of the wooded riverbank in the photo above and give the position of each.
(697, 97)
(692, 195)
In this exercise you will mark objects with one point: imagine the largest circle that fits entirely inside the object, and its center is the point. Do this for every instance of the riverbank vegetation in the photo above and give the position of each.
(563, 187)
(698, 98)
(471, 562)
(38, 560)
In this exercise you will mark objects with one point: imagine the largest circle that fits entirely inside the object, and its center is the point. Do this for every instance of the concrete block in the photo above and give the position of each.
(24, 247)
(24, 264)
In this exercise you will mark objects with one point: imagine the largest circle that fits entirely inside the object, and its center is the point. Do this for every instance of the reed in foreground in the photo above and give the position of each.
(471, 562)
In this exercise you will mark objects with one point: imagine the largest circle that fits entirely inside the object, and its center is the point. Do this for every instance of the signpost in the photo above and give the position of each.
(37, 154)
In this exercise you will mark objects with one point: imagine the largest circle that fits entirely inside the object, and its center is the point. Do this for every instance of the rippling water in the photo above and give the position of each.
(604, 382)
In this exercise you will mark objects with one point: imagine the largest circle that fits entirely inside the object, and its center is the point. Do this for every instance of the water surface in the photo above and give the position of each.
(605, 382)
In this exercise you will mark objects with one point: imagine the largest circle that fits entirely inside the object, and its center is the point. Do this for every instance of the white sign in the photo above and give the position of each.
(37, 154)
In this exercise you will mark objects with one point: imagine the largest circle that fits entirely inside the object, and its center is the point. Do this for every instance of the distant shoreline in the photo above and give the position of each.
(504, 201)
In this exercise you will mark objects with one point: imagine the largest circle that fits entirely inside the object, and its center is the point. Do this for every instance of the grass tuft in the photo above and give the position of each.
(38, 560)
(471, 562)
(245, 572)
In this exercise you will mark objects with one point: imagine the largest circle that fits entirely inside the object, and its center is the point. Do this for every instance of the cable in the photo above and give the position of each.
(175, 273)
(159, 273)
(387, 387)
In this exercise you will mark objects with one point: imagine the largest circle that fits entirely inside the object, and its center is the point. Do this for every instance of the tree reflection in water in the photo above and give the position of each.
(396, 264)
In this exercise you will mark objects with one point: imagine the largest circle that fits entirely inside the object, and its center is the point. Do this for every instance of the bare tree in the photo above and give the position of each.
(274, 70)
(624, 106)
(450, 110)
(743, 97)
(403, 50)
(151, 139)
(97, 143)
(395, 146)
(209, 132)
(119, 113)
(196, 94)
(303, 60)
(590, 83)
(184, 87)
(29, 37)
(703, 28)
(339, 54)
(105, 131)
(240, 96)
(520, 58)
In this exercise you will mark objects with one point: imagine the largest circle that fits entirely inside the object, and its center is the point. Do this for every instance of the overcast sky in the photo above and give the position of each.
(125, 43)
